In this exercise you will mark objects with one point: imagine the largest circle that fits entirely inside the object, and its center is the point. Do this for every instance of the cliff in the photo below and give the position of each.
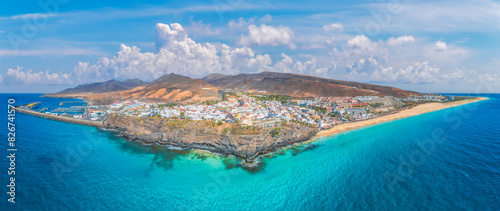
(244, 142)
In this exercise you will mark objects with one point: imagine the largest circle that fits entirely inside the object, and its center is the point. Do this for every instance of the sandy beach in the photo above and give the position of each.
(420, 109)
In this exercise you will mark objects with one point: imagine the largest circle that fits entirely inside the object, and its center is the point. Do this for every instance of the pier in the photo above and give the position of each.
(73, 109)
(61, 118)
(71, 102)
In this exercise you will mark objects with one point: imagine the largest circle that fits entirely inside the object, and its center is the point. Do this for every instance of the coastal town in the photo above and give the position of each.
(256, 110)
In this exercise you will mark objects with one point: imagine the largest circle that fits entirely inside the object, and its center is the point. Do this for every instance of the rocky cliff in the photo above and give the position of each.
(230, 139)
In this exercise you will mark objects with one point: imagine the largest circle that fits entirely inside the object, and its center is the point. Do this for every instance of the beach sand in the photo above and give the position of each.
(420, 109)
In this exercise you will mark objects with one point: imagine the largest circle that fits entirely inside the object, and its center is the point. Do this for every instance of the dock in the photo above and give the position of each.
(71, 102)
(62, 118)
(73, 109)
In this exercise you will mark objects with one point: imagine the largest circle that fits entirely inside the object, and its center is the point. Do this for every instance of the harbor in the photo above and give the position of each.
(83, 115)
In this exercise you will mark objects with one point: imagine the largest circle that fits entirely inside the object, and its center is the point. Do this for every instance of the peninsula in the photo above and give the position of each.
(246, 115)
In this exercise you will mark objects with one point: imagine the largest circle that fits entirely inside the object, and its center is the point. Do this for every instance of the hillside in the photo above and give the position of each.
(301, 85)
(168, 88)
(99, 87)
(177, 88)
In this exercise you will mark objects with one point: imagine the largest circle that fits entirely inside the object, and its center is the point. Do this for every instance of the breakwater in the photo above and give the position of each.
(62, 118)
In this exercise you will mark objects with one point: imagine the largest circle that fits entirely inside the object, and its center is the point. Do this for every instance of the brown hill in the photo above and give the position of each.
(302, 85)
(98, 87)
(168, 88)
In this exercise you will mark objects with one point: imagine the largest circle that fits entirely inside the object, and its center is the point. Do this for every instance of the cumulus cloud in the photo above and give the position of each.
(361, 42)
(241, 22)
(489, 77)
(440, 46)
(355, 58)
(400, 40)
(176, 53)
(199, 28)
(363, 65)
(455, 75)
(289, 65)
(268, 35)
(20, 76)
(420, 72)
(334, 26)
(371, 70)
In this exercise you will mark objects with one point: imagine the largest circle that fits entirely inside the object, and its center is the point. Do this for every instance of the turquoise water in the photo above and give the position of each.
(396, 165)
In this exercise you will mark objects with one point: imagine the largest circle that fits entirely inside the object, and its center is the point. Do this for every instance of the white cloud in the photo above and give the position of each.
(334, 26)
(440, 46)
(241, 22)
(268, 35)
(53, 51)
(33, 16)
(199, 28)
(489, 77)
(400, 40)
(238, 24)
(176, 53)
(420, 72)
(17, 76)
(267, 18)
(455, 75)
(325, 71)
(288, 65)
(363, 65)
(361, 42)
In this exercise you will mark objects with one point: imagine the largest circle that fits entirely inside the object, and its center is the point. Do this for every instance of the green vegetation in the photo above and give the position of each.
(232, 94)
(303, 123)
(275, 132)
(283, 121)
(168, 105)
(375, 105)
(279, 98)
(210, 102)
(226, 131)
(320, 110)
(459, 98)
(336, 115)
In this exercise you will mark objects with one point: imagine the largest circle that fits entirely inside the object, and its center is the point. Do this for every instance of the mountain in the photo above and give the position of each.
(296, 85)
(168, 88)
(214, 76)
(178, 88)
(101, 87)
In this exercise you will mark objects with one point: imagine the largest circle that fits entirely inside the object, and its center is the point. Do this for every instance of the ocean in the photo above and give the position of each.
(444, 160)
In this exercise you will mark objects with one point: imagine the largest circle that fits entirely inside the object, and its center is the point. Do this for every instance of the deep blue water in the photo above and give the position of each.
(444, 160)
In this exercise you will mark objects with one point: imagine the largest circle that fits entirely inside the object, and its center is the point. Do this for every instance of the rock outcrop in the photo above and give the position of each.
(230, 139)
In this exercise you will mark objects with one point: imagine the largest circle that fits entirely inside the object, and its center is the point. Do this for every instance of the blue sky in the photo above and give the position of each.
(426, 46)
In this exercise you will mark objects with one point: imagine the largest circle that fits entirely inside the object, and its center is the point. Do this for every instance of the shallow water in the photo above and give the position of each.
(394, 165)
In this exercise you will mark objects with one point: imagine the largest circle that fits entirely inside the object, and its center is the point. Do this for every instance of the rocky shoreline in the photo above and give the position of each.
(246, 143)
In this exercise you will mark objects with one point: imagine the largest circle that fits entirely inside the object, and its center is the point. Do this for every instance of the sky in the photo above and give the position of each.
(424, 46)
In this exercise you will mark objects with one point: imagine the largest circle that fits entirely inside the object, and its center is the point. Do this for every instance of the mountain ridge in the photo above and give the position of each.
(106, 86)
(297, 85)
(178, 88)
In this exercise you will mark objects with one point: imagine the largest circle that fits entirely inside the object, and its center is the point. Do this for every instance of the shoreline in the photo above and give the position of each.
(417, 110)
(250, 162)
